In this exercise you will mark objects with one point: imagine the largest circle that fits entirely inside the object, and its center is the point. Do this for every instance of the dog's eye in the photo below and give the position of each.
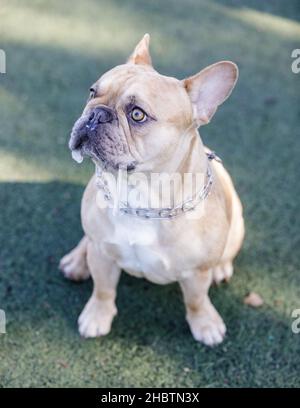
(92, 93)
(138, 115)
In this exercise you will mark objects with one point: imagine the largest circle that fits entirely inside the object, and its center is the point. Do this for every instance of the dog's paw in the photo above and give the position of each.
(222, 272)
(96, 318)
(207, 326)
(74, 266)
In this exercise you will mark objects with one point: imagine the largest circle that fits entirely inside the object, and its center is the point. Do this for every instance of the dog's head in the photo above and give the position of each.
(136, 116)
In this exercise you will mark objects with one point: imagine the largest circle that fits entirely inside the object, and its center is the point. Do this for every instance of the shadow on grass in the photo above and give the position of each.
(40, 222)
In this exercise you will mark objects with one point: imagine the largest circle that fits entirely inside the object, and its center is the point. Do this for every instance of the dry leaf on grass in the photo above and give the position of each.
(254, 300)
(62, 364)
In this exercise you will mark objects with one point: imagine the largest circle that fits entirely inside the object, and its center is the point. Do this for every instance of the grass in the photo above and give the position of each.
(54, 52)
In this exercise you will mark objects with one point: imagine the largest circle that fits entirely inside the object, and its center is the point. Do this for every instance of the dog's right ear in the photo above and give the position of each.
(141, 54)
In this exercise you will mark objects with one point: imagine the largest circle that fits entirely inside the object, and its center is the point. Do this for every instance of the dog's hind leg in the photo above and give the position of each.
(222, 272)
(74, 264)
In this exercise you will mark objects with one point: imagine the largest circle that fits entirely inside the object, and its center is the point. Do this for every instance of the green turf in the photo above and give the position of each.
(55, 50)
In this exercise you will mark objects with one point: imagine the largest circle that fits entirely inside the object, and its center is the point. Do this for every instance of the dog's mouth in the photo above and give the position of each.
(102, 159)
(97, 135)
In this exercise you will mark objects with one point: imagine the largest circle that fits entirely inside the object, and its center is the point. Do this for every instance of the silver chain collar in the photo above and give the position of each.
(162, 213)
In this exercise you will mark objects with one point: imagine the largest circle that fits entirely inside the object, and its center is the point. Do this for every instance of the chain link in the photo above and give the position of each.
(162, 213)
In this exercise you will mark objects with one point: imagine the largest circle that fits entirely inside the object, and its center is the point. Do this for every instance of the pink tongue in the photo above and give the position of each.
(77, 156)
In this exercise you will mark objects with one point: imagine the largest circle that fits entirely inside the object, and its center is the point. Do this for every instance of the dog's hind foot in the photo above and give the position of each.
(222, 272)
(74, 264)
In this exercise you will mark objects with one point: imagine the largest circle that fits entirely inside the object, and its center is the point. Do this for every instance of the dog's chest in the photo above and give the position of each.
(137, 247)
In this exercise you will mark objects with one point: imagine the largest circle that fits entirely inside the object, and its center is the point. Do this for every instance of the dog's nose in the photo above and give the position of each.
(102, 114)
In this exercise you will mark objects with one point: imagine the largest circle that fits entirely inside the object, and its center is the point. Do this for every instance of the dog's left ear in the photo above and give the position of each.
(210, 88)
(141, 54)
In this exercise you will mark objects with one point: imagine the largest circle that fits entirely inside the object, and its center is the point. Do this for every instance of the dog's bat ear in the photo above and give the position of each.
(210, 88)
(141, 54)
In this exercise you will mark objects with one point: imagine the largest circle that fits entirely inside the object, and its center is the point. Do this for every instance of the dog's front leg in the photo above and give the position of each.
(205, 322)
(97, 316)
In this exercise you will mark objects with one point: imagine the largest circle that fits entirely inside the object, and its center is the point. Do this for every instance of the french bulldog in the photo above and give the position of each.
(139, 121)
